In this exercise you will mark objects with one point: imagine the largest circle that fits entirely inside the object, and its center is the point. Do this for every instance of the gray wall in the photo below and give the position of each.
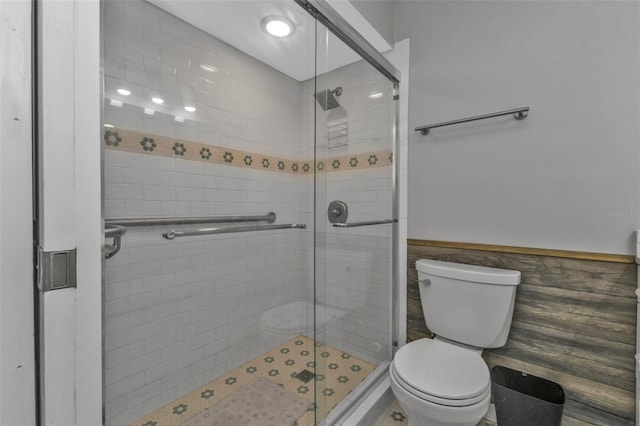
(564, 178)
(379, 13)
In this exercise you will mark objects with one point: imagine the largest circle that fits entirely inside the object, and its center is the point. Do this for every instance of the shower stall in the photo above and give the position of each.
(250, 209)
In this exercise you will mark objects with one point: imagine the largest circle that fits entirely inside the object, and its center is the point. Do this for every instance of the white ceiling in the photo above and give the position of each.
(238, 24)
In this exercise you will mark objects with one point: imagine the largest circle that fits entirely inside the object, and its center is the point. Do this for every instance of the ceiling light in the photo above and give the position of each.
(124, 92)
(158, 100)
(376, 95)
(190, 109)
(149, 111)
(110, 126)
(278, 26)
(116, 103)
(179, 119)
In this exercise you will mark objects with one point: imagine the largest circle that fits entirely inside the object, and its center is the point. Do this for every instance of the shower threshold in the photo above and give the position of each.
(300, 366)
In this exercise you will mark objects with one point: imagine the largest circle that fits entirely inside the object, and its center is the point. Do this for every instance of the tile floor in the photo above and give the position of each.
(337, 374)
(394, 415)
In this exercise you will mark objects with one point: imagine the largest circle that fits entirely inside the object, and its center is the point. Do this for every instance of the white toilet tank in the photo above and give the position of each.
(468, 304)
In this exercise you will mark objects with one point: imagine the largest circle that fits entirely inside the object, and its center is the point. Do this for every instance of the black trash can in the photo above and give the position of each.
(525, 400)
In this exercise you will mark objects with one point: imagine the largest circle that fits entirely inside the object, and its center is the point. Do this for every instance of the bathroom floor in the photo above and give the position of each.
(338, 373)
(394, 415)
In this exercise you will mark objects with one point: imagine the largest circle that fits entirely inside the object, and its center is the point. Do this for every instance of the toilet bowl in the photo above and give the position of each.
(438, 383)
(444, 380)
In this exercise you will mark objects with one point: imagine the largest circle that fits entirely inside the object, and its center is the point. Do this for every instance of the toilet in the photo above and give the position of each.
(444, 380)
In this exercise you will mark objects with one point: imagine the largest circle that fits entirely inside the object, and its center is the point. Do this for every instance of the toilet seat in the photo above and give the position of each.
(442, 373)
(453, 403)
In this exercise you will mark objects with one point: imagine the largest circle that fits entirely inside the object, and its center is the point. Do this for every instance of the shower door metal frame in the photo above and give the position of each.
(395, 196)
(322, 11)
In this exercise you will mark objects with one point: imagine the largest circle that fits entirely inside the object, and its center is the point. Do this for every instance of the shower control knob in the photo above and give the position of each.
(337, 212)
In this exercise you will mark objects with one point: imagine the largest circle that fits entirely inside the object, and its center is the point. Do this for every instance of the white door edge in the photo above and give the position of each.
(70, 209)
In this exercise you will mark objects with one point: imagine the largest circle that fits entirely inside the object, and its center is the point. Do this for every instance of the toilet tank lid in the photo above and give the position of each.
(460, 271)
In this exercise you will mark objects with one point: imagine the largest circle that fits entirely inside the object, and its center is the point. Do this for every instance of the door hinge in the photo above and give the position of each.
(56, 269)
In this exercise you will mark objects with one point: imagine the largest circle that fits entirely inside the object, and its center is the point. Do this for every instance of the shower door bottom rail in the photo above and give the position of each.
(230, 229)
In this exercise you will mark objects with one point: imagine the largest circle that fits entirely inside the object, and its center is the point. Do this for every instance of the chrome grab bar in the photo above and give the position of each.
(518, 114)
(116, 232)
(230, 229)
(191, 220)
(367, 223)
(116, 227)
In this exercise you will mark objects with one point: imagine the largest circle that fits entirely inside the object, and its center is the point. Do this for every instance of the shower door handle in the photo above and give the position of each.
(116, 232)
(338, 212)
(367, 223)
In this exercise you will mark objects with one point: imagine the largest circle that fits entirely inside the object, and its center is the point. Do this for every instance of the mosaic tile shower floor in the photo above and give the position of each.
(337, 374)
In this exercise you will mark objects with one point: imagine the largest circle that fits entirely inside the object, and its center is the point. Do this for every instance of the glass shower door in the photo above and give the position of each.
(220, 164)
(206, 167)
(354, 198)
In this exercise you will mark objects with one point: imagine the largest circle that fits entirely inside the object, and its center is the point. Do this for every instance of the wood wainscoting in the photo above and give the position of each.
(574, 322)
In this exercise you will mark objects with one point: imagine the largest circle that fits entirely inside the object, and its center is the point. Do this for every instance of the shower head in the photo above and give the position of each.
(327, 98)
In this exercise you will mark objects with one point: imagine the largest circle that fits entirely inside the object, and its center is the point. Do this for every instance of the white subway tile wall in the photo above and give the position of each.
(180, 313)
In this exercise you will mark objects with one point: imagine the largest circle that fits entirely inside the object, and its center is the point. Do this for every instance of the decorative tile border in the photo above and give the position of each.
(144, 143)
